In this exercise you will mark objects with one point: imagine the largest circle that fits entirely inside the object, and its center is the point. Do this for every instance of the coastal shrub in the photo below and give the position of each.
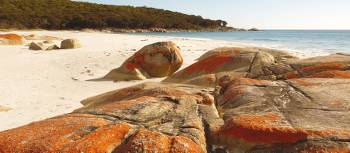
(66, 14)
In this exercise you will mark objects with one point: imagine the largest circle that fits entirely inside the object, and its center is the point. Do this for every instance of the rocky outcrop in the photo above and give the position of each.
(335, 66)
(156, 60)
(259, 64)
(70, 44)
(11, 39)
(149, 117)
(247, 115)
(297, 115)
(237, 62)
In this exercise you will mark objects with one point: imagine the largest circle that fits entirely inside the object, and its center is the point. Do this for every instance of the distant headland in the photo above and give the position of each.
(72, 15)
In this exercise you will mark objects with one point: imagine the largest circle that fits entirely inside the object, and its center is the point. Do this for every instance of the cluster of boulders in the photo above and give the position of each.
(65, 44)
(232, 100)
(47, 42)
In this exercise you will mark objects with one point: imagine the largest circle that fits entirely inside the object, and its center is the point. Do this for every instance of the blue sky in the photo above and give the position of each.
(264, 14)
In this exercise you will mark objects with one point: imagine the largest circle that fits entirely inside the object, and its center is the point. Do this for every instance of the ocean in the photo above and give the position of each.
(303, 41)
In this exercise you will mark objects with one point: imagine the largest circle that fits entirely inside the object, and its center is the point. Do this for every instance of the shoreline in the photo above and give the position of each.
(36, 85)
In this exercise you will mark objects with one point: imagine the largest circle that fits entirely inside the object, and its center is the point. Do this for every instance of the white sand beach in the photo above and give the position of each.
(42, 84)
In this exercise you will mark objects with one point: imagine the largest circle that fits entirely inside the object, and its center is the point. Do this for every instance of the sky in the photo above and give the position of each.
(262, 14)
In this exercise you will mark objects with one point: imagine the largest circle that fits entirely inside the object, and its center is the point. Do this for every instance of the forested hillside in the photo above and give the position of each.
(66, 14)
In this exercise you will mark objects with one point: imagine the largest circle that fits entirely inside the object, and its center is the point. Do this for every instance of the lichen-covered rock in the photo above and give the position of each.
(11, 39)
(150, 117)
(317, 67)
(259, 64)
(285, 116)
(244, 62)
(36, 46)
(68, 133)
(149, 141)
(156, 60)
(70, 44)
(279, 54)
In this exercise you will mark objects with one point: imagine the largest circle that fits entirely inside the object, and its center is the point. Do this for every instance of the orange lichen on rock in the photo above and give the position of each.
(304, 82)
(332, 71)
(208, 65)
(262, 129)
(324, 70)
(49, 135)
(292, 75)
(135, 61)
(323, 67)
(231, 93)
(269, 128)
(331, 74)
(149, 141)
(131, 66)
(12, 39)
(104, 139)
(211, 78)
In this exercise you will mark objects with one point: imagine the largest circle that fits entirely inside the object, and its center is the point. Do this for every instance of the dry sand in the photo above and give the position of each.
(41, 84)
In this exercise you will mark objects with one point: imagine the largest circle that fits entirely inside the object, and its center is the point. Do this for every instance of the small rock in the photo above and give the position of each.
(70, 44)
(35, 46)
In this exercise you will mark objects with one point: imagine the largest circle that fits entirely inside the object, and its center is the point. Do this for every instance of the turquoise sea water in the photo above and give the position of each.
(306, 41)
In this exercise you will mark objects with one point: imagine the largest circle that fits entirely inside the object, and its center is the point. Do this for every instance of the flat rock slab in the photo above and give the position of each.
(285, 116)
